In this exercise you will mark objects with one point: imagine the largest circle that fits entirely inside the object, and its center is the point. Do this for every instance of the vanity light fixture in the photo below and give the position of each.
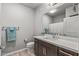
(53, 11)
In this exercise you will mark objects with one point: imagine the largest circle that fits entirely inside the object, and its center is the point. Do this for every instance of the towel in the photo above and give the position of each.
(11, 33)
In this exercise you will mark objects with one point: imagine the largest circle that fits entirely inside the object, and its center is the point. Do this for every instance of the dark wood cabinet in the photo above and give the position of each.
(36, 47)
(46, 49)
(42, 48)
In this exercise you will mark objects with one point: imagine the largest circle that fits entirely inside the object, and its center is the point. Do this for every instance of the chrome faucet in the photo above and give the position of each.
(56, 36)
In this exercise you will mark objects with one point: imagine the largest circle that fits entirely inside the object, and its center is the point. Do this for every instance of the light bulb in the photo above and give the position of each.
(53, 11)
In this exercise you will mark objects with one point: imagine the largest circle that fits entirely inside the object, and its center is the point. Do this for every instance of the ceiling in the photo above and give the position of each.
(60, 10)
(32, 5)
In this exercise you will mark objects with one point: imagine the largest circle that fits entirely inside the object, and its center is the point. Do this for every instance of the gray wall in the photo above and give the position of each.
(18, 15)
(59, 18)
(0, 28)
(46, 20)
(55, 24)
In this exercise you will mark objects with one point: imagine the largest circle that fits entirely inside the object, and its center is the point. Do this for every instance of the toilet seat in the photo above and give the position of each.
(30, 44)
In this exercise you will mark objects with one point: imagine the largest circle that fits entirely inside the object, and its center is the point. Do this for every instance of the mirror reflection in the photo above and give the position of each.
(62, 20)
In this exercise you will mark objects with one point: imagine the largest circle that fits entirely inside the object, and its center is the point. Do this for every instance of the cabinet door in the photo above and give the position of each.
(46, 49)
(36, 47)
(52, 51)
(42, 50)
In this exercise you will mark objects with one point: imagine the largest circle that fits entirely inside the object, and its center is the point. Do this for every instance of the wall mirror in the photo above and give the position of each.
(53, 21)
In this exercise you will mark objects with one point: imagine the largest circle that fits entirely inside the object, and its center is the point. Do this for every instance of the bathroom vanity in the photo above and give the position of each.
(65, 24)
(51, 47)
(43, 48)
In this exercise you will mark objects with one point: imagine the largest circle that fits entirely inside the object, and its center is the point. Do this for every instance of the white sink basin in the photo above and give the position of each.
(49, 36)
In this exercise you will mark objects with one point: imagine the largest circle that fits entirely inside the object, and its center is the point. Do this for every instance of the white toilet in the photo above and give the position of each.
(29, 45)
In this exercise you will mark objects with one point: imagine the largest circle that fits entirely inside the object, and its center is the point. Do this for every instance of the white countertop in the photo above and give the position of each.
(69, 45)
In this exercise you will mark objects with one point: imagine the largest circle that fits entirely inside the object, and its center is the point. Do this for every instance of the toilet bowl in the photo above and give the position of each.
(28, 44)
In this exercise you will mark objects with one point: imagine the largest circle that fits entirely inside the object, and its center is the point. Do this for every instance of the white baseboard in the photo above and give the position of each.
(15, 52)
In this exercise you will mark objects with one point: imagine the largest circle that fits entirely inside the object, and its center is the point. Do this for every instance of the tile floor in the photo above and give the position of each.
(24, 53)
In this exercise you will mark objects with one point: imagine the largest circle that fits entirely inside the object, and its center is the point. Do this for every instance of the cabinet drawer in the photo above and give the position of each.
(64, 52)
